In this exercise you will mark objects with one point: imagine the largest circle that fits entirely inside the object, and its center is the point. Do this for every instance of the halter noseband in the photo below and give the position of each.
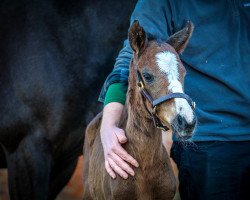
(155, 102)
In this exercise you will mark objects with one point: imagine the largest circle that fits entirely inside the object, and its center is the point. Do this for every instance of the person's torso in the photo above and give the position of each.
(217, 60)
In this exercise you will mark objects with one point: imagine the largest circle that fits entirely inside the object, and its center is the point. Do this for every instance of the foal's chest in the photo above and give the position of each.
(145, 186)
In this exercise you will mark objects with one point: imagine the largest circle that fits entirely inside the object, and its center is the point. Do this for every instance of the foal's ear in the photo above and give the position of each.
(180, 39)
(137, 37)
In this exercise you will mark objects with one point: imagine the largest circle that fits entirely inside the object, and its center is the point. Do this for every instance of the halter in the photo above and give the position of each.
(155, 102)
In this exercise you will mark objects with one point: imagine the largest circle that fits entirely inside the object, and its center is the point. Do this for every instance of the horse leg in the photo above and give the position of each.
(29, 168)
(61, 174)
(3, 163)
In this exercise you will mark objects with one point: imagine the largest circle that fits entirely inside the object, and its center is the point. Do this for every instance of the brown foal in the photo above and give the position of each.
(155, 68)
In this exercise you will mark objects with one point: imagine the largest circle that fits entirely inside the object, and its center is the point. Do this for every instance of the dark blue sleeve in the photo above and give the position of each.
(156, 19)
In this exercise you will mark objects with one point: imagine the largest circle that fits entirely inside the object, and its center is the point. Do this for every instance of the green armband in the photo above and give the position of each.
(116, 93)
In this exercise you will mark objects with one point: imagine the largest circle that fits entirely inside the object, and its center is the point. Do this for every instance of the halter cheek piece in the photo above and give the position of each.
(155, 102)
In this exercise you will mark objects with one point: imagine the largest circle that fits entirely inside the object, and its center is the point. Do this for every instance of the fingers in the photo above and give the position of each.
(109, 170)
(123, 165)
(117, 169)
(120, 134)
(125, 156)
(117, 159)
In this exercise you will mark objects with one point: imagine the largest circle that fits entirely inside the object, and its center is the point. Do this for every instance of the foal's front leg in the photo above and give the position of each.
(29, 168)
(166, 183)
(123, 189)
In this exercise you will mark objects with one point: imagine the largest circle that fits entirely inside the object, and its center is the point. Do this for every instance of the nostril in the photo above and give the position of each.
(180, 120)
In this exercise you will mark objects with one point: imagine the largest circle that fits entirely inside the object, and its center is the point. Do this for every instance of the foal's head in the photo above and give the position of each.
(159, 72)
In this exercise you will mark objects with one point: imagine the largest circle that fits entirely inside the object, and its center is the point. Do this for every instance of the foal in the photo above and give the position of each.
(155, 70)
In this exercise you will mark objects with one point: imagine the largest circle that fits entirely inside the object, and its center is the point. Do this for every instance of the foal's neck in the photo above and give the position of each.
(144, 139)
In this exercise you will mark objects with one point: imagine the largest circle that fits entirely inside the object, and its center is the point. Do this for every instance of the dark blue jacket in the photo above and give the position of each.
(217, 60)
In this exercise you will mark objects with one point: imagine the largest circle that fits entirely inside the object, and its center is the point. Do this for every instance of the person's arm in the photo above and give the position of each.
(112, 136)
(116, 158)
(155, 17)
(116, 93)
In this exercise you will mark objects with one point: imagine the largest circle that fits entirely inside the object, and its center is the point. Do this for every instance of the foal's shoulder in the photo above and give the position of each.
(93, 129)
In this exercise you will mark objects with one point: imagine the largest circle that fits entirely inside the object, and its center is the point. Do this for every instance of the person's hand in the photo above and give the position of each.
(117, 159)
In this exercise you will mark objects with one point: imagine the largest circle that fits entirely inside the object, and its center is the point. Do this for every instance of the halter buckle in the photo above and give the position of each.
(140, 85)
(161, 128)
(153, 110)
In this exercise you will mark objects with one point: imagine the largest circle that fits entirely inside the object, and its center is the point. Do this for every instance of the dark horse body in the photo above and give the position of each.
(54, 57)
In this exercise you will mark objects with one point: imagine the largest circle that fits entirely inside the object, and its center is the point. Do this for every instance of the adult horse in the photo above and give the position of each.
(54, 56)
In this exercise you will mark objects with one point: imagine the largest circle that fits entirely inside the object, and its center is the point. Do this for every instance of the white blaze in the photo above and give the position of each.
(168, 65)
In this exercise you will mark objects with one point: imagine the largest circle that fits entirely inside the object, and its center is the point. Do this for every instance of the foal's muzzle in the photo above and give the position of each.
(182, 128)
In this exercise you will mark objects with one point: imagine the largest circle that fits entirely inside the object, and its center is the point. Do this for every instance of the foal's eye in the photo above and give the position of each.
(148, 77)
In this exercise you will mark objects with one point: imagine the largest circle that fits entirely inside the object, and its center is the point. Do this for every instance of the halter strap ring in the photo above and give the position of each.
(141, 85)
